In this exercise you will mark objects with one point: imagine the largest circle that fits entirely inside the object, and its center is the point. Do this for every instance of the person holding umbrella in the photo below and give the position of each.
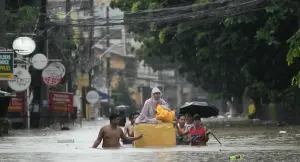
(198, 135)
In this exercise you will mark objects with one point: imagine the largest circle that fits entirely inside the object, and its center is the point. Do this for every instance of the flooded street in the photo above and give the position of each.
(255, 144)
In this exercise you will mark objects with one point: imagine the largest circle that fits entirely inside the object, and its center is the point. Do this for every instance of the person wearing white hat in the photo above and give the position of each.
(148, 112)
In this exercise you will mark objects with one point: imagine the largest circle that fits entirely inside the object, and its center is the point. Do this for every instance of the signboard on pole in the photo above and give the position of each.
(61, 101)
(21, 80)
(92, 111)
(92, 97)
(53, 74)
(17, 103)
(6, 65)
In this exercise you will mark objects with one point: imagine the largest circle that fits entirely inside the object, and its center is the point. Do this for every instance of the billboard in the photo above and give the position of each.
(61, 101)
(17, 103)
(6, 65)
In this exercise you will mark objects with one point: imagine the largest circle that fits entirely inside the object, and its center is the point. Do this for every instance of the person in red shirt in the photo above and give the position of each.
(198, 135)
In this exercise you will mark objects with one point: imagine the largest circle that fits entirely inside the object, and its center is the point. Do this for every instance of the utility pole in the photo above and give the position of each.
(3, 84)
(91, 34)
(2, 24)
(90, 58)
(108, 77)
(178, 90)
(68, 21)
(39, 89)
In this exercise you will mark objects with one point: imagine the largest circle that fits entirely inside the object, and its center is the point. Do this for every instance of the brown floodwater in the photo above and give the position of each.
(253, 143)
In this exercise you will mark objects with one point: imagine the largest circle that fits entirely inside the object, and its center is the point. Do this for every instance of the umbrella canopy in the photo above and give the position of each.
(122, 107)
(204, 109)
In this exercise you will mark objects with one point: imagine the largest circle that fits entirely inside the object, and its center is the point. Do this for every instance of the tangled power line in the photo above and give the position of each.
(202, 11)
(192, 15)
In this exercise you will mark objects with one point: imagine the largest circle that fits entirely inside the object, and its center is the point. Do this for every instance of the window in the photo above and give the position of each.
(114, 33)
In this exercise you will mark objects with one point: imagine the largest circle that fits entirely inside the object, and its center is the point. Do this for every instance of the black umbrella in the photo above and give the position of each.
(204, 109)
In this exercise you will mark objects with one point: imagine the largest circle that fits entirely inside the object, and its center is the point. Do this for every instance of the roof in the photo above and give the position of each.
(56, 4)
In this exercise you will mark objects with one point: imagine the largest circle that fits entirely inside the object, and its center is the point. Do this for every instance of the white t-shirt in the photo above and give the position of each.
(188, 126)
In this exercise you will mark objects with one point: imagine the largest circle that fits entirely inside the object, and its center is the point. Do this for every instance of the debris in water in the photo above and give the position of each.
(282, 132)
(65, 128)
(268, 122)
(47, 128)
(65, 141)
(235, 157)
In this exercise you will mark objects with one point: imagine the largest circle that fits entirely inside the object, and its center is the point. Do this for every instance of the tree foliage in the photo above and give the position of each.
(25, 19)
(230, 53)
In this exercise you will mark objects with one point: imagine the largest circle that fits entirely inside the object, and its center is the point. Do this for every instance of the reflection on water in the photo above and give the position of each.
(255, 156)
(255, 144)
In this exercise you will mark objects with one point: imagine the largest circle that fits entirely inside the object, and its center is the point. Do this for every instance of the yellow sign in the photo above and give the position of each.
(4, 68)
(6, 76)
(87, 109)
(251, 109)
(82, 81)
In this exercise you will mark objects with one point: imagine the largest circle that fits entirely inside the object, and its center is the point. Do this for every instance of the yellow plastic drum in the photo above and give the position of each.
(155, 135)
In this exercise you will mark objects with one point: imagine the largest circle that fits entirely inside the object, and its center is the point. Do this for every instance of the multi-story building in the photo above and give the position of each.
(175, 89)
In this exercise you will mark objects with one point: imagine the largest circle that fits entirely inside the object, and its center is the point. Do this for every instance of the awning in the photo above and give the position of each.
(6, 94)
(103, 96)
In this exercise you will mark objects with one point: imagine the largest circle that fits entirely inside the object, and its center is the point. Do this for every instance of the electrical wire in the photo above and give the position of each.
(164, 15)
(168, 16)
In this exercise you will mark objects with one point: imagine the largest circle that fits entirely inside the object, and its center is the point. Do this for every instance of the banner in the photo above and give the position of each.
(17, 103)
(6, 65)
(61, 101)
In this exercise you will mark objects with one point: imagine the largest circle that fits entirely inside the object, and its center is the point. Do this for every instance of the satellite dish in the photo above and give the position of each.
(39, 61)
(21, 81)
(24, 46)
(61, 67)
(52, 74)
(92, 97)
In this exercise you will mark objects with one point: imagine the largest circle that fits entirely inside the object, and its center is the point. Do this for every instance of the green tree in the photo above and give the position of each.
(122, 96)
(294, 51)
(24, 20)
(217, 47)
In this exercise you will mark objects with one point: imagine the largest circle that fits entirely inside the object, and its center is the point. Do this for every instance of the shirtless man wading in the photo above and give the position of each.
(111, 134)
